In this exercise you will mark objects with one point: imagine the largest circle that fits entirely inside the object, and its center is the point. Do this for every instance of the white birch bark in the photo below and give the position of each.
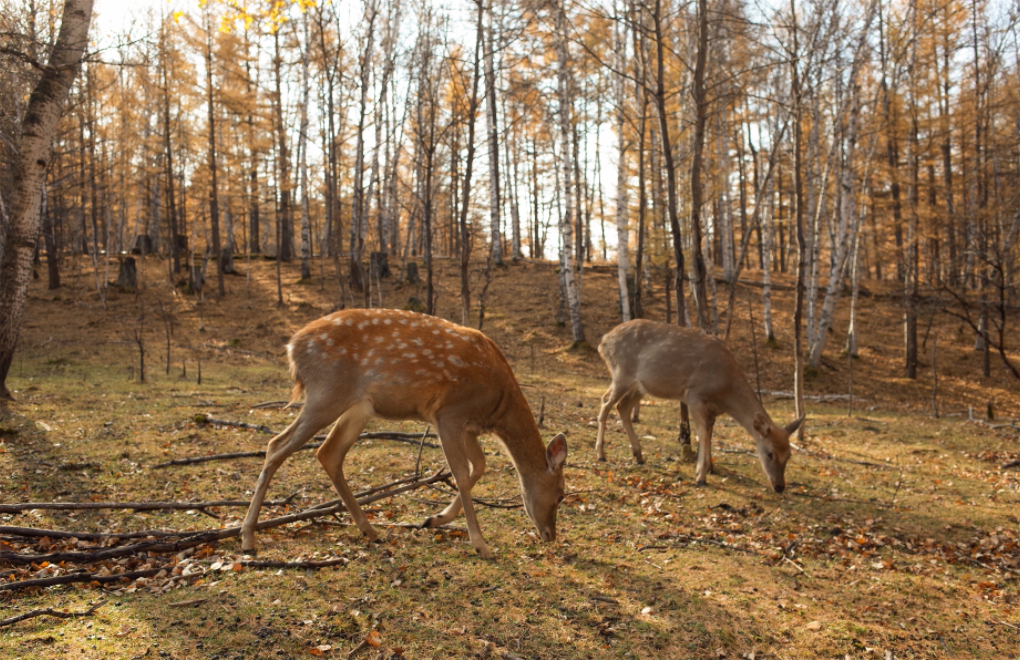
(566, 225)
(622, 221)
(306, 229)
(847, 215)
(495, 234)
(45, 106)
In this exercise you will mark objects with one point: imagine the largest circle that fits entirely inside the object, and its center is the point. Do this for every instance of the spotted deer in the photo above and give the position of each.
(358, 364)
(670, 362)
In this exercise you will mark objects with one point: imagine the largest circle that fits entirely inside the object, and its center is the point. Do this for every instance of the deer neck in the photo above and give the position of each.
(516, 427)
(742, 404)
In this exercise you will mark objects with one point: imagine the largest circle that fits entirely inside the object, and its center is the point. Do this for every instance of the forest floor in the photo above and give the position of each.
(898, 536)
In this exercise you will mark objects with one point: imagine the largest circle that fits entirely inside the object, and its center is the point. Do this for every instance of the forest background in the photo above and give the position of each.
(777, 175)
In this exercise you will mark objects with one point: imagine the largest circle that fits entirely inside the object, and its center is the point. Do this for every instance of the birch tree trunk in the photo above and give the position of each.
(45, 106)
(566, 229)
(495, 234)
(622, 226)
(306, 230)
(847, 216)
(357, 237)
(214, 199)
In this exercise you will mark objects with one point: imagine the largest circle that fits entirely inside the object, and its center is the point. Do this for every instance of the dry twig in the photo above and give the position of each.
(49, 611)
(192, 539)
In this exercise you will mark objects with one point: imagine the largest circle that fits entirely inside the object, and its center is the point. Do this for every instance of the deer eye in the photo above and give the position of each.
(771, 456)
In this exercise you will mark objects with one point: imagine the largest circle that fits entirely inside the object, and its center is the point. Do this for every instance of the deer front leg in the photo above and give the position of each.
(476, 459)
(626, 406)
(279, 448)
(333, 452)
(703, 424)
(462, 449)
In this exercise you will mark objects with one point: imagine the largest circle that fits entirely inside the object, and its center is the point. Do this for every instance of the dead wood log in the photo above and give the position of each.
(82, 576)
(206, 418)
(1011, 464)
(310, 564)
(134, 506)
(49, 611)
(277, 404)
(192, 539)
(407, 438)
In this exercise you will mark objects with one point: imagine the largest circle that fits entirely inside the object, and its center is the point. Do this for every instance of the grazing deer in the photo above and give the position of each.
(363, 363)
(671, 362)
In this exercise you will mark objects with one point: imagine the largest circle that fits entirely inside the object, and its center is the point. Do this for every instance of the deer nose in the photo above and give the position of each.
(548, 535)
(779, 488)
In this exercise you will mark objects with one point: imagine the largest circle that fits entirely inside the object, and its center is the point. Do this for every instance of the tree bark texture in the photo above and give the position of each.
(45, 106)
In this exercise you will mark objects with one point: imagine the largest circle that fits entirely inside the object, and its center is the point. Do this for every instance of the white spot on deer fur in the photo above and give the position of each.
(350, 321)
(418, 341)
(426, 352)
(338, 321)
(370, 352)
(341, 351)
(455, 360)
(388, 321)
(375, 321)
(361, 326)
(414, 324)
(364, 362)
(403, 321)
(449, 344)
(401, 345)
(410, 356)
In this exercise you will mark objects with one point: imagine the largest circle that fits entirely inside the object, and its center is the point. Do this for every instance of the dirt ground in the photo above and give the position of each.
(897, 536)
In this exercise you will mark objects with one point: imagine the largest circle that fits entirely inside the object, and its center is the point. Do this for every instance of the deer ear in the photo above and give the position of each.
(556, 452)
(792, 427)
(761, 423)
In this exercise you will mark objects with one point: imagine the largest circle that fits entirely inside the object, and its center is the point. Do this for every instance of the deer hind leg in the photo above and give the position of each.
(703, 424)
(626, 405)
(467, 463)
(476, 460)
(332, 453)
(277, 451)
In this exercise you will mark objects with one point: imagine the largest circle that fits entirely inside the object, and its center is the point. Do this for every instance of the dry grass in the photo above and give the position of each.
(899, 533)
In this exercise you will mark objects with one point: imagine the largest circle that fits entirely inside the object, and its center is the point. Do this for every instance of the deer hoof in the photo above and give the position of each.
(701, 483)
(251, 552)
(639, 459)
(602, 459)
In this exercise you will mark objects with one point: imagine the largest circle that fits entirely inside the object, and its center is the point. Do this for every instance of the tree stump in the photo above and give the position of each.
(127, 276)
(412, 273)
(143, 245)
(380, 265)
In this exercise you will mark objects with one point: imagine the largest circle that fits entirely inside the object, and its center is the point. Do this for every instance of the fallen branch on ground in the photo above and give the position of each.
(192, 539)
(821, 398)
(134, 506)
(72, 578)
(266, 563)
(407, 438)
(49, 611)
(276, 404)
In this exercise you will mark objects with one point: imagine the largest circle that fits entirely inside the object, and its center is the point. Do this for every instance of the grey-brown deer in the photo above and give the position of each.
(363, 363)
(670, 362)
